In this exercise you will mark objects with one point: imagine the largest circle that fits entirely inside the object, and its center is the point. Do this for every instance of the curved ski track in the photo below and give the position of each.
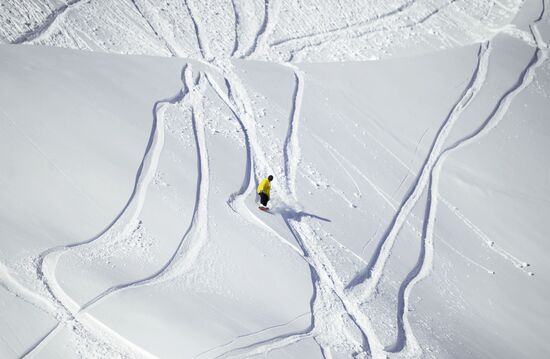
(372, 273)
(197, 233)
(271, 14)
(423, 269)
(67, 309)
(324, 277)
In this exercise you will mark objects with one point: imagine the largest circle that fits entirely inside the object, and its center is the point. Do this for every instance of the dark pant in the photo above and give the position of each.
(264, 198)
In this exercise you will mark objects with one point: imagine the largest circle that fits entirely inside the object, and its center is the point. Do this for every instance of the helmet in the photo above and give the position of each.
(270, 178)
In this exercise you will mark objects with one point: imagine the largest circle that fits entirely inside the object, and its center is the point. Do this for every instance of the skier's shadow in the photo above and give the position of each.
(290, 213)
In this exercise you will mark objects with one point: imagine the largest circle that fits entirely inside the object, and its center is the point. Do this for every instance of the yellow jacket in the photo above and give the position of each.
(264, 186)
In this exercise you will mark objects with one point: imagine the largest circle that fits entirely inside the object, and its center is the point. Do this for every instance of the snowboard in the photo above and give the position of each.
(264, 209)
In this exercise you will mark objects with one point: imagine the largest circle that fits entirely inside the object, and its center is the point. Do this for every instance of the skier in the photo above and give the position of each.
(263, 190)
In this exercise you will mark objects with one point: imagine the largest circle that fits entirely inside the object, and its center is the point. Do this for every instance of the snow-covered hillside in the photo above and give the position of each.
(410, 193)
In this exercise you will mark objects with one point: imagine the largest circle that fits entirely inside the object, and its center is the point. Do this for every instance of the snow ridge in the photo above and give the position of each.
(291, 151)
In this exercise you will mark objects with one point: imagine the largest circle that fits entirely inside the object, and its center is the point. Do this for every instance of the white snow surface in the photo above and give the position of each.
(407, 140)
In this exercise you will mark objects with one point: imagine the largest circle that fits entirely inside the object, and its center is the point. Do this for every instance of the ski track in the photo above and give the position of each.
(239, 96)
(295, 53)
(236, 339)
(162, 39)
(291, 148)
(202, 47)
(391, 202)
(43, 341)
(47, 260)
(333, 151)
(467, 259)
(323, 274)
(266, 346)
(188, 249)
(343, 29)
(231, 105)
(405, 336)
(425, 261)
(260, 33)
(196, 234)
(325, 352)
(238, 101)
(50, 26)
(372, 274)
(236, 199)
(8, 282)
(320, 264)
(50, 20)
(516, 262)
(237, 27)
(239, 104)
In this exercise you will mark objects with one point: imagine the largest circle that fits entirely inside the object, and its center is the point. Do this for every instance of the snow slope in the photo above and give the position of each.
(409, 199)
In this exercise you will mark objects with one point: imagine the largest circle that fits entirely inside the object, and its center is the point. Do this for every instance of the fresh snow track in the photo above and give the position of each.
(405, 336)
(540, 55)
(47, 260)
(196, 234)
(324, 277)
(370, 276)
(516, 262)
(291, 152)
(425, 264)
(237, 101)
(245, 336)
(42, 341)
(265, 346)
(248, 164)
